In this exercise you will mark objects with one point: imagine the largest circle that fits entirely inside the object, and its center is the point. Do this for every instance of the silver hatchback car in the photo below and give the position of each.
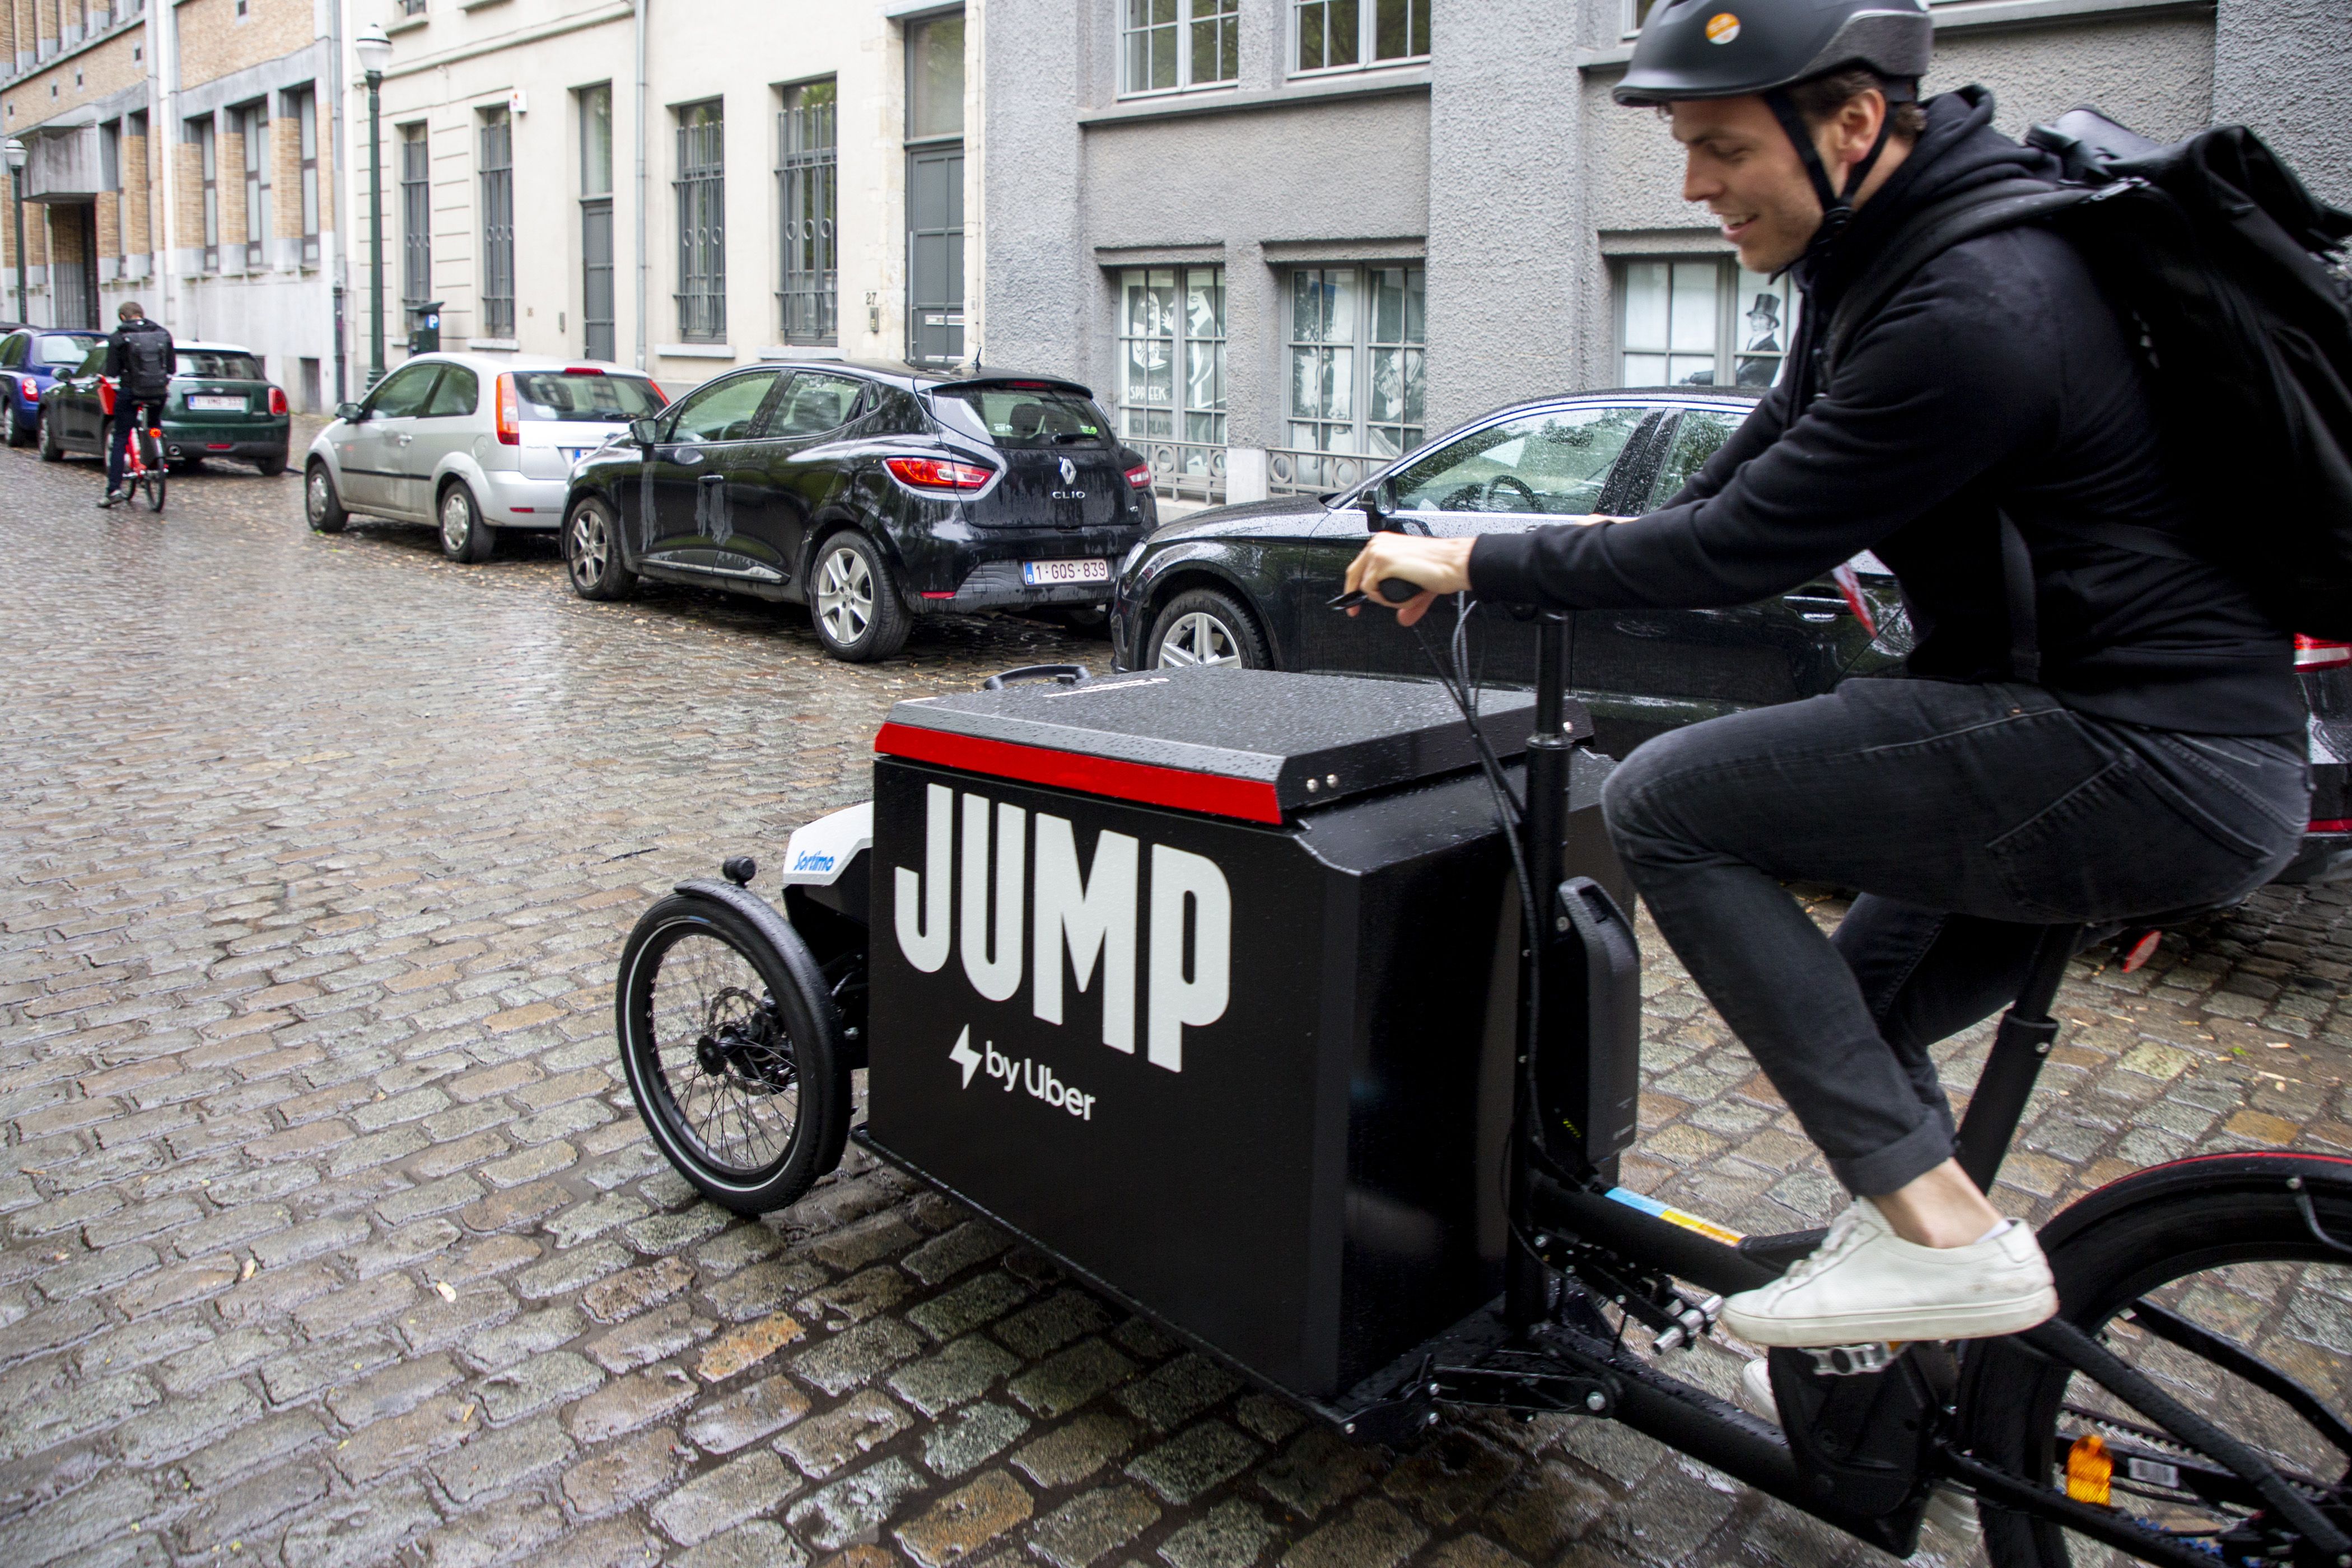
(470, 443)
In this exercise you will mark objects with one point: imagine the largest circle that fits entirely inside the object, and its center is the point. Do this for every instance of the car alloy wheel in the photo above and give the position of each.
(1199, 637)
(592, 548)
(317, 495)
(844, 595)
(456, 522)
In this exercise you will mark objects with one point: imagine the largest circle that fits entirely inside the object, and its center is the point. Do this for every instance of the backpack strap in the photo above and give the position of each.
(2006, 203)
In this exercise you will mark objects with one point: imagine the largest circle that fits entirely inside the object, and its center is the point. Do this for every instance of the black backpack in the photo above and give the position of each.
(147, 362)
(2232, 276)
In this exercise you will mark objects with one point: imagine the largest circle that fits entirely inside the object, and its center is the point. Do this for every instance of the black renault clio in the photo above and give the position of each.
(870, 493)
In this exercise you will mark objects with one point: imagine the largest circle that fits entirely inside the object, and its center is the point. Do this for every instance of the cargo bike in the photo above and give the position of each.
(1302, 1016)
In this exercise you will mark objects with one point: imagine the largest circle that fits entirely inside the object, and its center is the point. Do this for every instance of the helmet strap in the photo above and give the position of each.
(1837, 207)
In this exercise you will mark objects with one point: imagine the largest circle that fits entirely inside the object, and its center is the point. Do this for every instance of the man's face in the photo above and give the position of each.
(1739, 162)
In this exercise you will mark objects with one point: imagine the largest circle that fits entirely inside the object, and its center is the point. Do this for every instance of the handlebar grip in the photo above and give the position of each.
(1397, 590)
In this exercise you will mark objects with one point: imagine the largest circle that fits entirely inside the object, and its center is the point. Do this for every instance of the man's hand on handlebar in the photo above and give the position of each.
(1434, 565)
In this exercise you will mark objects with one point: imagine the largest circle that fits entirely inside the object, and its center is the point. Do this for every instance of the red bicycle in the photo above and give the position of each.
(143, 468)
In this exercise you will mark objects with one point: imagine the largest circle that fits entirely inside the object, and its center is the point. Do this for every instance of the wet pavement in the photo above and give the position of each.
(329, 1235)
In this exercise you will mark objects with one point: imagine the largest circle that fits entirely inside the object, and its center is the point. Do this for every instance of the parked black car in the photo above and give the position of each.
(1248, 584)
(871, 492)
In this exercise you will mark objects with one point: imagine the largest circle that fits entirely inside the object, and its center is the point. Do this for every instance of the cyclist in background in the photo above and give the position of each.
(138, 359)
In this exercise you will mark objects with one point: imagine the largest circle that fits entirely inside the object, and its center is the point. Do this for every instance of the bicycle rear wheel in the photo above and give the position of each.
(2232, 1290)
(153, 481)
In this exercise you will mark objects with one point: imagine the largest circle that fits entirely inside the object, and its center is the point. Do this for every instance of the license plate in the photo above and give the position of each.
(220, 404)
(1040, 574)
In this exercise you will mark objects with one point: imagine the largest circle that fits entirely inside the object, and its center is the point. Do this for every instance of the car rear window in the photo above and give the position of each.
(1018, 417)
(598, 399)
(59, 349)
(216, 365)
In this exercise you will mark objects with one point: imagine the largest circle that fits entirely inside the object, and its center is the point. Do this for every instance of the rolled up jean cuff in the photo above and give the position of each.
(1901, 1162)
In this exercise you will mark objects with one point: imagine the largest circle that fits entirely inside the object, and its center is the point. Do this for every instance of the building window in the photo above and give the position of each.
(207, 144)
(1352, 34)
(252, 125)
(596, 315)
(1701, 321)
(701, 224)
(498, 225)
(1180, 43)
(412, 7)
(805, 169)
(1357, 368)
(416, 214)
(302, 105)
(1171, 390)
(110, 179)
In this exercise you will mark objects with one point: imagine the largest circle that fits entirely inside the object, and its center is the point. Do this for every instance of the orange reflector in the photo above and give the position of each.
(2089, 1467)
(2142, 951)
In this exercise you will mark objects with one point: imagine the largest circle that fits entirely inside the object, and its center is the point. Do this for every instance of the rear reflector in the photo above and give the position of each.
(522, 509)
(2311, 653)
(1140, 477)
(2331, 825)
(219, 445)
(938, 473)
(929, 595)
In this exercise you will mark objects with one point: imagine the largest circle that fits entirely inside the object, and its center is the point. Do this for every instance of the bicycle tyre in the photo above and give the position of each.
(2147, 1233)
(738, 1059)
(154, 483)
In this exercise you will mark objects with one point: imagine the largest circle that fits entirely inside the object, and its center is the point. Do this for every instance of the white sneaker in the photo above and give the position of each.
(1952, 1512)
(1866, 1283)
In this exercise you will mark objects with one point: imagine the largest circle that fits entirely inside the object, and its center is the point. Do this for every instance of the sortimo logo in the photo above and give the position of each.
(812, 860)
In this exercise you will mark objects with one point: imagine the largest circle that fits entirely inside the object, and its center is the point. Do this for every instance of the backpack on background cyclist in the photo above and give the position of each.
(2101, 720)
(139, 360)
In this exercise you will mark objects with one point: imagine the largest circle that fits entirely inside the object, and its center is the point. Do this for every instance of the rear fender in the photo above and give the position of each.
(2209, 1174)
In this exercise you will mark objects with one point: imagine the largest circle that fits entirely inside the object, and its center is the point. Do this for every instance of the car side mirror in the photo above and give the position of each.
(350, 413)
(645, 432)
(1379, 502)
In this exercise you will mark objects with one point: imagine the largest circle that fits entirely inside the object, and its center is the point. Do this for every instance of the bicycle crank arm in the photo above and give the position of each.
(1524, 1384)
(2103, 1525)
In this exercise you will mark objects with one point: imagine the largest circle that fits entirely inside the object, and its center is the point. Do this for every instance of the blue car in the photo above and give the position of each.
(30, 359)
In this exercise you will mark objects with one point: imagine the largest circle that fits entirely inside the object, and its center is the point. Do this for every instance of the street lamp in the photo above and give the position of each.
(374, 51)
(16, 156)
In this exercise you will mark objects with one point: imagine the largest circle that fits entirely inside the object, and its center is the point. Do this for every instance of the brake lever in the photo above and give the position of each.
(1395, 590)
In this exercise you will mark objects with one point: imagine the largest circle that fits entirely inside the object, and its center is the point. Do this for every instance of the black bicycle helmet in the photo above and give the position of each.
(1733, 48)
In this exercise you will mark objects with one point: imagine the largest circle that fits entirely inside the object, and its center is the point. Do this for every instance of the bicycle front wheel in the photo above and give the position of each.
(153, 481)
(2227, 1282)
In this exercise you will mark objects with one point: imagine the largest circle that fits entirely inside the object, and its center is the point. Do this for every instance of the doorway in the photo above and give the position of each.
(73, 252)
(935, 84)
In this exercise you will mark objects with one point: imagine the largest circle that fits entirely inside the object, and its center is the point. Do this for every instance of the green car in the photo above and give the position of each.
(220, 405)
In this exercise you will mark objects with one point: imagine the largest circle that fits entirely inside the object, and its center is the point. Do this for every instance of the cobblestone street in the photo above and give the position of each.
(328, 1235)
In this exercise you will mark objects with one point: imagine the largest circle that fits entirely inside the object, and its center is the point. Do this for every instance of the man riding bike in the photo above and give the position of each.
(138, 359)
(2084, 734)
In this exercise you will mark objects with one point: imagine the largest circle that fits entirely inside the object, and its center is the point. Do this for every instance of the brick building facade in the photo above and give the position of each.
(182, 152)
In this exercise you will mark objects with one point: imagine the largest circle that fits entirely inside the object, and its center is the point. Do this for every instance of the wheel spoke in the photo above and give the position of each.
(722, 1055)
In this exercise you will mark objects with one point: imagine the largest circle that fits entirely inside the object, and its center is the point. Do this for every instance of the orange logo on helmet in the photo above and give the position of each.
(1722, 27)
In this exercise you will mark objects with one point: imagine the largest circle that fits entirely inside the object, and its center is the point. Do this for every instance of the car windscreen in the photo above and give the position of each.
(61, 350)
(1016, 417)
(596, 399)
(216, 365)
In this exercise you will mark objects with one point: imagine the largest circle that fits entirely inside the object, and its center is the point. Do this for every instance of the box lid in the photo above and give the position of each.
(1257, 744)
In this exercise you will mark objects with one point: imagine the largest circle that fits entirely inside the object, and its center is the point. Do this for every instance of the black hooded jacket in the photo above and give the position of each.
(1996, 377)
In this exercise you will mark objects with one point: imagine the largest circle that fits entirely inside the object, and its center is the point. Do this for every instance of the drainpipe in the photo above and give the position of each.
(643, 134)
(340, 191)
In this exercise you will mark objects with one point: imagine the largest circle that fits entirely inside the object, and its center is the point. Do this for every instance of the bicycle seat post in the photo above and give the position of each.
(2018, 1048)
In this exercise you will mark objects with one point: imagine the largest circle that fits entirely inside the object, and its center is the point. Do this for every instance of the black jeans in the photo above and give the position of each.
(1968, 818)
(117, 450)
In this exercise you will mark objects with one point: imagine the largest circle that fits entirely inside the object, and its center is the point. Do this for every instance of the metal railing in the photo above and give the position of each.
(1291, 470)
(1184, 470)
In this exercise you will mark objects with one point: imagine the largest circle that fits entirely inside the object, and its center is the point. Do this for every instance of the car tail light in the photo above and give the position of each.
(278, 400)
(2331, 825)
(510, 412)
(2311, 653)
(938, 473)
(659, 392)
(582, 370)
(1140, 477)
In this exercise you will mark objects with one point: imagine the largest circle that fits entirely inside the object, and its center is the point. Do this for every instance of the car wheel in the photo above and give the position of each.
(853, 600)
(1205, 626)
(17, 435)
(271, 467)
(46, 433)
(463, 535)
(592, 555)
(321, 503)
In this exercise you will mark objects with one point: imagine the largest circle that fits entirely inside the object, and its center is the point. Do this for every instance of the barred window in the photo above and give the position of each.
(1180, 43)
(1351, 35)
(1172, 391)
(701, 224)
(1358, 369)
(498, 225)
(805, 174)
(416, 214)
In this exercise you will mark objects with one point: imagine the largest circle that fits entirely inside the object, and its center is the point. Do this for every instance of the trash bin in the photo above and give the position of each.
(424, 328)
(1202, 980)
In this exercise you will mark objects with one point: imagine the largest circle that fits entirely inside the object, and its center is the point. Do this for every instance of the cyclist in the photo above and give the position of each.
(2157, 762)
(138, 359)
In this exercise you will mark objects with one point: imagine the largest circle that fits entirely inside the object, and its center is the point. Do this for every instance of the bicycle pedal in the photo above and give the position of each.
(1852, 1361)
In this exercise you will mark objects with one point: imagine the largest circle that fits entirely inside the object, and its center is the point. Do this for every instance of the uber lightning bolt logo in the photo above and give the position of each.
(964, 1056)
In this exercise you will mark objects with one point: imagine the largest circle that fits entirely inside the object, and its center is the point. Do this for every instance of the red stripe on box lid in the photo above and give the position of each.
(1249, 799)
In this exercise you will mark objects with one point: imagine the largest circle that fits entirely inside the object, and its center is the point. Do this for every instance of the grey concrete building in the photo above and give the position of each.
(1281, 236)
